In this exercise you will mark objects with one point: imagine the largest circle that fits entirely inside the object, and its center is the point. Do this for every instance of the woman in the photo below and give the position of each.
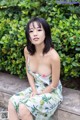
(42, 98)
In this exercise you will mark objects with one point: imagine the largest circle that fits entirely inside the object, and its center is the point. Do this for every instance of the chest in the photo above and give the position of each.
(40, 65)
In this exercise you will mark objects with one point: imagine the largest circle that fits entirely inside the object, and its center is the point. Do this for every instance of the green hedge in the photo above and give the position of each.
(65, 28)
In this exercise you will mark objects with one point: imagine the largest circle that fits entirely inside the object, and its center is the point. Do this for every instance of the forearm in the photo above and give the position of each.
(31, 81)
(32, 85)
(49, 88)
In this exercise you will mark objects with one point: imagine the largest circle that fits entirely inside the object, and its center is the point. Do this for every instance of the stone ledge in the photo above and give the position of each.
(69, 108)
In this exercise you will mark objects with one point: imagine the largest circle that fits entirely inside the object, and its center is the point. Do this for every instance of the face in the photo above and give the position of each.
(37, 33)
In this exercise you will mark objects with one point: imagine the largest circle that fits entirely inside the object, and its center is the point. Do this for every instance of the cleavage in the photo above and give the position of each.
(41, 70)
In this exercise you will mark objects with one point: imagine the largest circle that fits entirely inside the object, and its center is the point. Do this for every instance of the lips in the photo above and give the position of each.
(35, 38)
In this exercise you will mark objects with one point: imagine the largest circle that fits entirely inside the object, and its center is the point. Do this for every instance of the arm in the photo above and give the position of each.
(30, 77)
(55, 65)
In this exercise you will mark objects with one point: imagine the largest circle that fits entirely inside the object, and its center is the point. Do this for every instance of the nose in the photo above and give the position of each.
(35, 33)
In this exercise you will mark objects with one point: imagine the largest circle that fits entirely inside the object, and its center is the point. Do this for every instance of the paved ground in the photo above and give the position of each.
(3, 113)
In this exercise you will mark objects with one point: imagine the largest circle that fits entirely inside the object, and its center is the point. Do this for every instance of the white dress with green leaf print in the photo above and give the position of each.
(41, 106)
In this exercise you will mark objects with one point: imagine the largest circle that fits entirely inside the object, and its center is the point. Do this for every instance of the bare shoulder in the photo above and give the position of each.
(54, 56)
(26, 52)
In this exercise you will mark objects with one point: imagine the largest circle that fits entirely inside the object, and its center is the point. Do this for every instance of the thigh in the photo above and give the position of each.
(43, 104)
(18, 97)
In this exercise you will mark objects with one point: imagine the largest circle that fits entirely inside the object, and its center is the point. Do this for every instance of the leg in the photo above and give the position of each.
(24, 113)
(12, 112)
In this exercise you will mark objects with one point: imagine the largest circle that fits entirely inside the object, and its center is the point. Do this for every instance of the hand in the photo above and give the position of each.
(45, 90)
(34, 93)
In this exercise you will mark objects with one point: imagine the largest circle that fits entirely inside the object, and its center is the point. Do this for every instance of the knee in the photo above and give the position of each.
(10, 106)
(23, 111)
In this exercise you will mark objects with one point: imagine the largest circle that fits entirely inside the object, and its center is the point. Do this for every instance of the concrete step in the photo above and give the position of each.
(68, 110)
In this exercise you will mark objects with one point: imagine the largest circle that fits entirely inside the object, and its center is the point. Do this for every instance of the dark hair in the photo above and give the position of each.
(47, 41)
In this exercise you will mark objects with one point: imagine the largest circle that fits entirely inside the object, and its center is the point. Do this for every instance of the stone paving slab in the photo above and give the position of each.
(69, 108)
(71, 101)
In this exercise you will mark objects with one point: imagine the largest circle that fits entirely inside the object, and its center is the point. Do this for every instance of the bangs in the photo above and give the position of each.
(38, 23)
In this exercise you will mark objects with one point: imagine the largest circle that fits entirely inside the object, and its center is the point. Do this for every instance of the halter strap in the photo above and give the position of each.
(28, 59)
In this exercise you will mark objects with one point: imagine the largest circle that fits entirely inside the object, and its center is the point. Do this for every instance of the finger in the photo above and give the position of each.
(31, 95)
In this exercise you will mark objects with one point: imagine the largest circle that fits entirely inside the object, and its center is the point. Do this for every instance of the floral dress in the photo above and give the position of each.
(42, 106)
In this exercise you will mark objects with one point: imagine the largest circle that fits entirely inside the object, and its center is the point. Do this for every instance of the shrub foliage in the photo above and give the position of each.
(64, 21)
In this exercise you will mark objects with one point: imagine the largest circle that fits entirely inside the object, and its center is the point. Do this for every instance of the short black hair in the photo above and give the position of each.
(47, 41)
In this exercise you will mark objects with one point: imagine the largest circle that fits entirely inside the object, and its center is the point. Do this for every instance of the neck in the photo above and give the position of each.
(39, 49)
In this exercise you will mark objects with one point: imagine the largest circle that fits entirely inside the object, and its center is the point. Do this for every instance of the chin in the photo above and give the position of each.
(37, 43)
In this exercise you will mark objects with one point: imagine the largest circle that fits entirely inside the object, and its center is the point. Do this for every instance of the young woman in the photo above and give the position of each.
(41, 99)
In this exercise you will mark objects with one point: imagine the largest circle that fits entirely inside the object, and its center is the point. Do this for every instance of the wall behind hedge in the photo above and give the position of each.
(64, 21)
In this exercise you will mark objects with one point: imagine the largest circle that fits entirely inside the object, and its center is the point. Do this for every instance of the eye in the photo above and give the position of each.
(39, 30)
(30, 31)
